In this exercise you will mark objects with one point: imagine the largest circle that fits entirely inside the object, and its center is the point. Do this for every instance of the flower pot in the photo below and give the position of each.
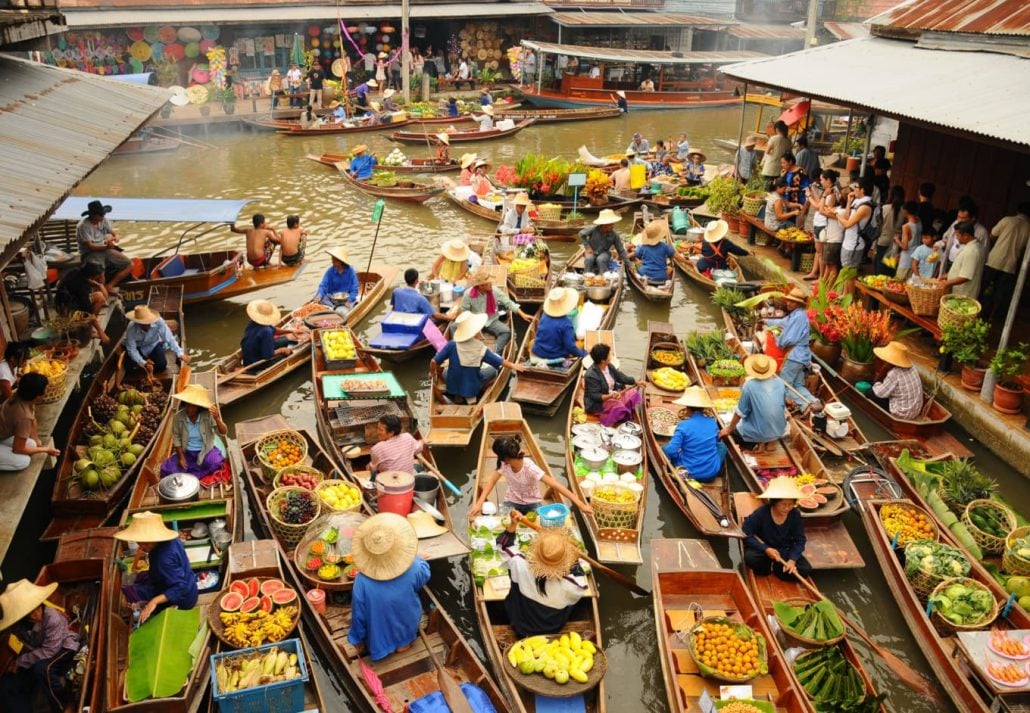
(229, 108)
(855, 371)
(972, 377)
(205, 109)
(732, 222)
(1008, 400)
(829, 352)
(853, 163)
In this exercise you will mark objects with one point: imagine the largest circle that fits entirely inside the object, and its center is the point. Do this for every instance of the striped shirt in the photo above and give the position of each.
(397, 453)
(904, 390)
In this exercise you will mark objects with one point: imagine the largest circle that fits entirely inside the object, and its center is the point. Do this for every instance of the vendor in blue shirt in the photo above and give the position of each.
(169, 580)
(409, 300)
(774, 534)
(471, 365)
(361, 92)
(339, 112)
(716, 248)
(260, 341)
(653, 254)
(339, 280)
(555, 334)
(794, 341)
(760, 417)
(146, 339)
(361, 163)
(695, 445)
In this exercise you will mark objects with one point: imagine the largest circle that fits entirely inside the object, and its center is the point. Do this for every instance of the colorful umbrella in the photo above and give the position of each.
(157, 50)
(189, 34)
(192, 50)
(167, 34)
(140, 51)
(134, 33)
(151, 32)
(375, 686)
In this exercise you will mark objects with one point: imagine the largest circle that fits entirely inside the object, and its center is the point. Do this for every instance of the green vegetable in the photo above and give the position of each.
(935, 558)
(833, 684)
(161, 654)
(965, 604)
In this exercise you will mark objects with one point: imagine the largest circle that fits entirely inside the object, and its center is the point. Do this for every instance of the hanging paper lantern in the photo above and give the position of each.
(150, 33)
(167, 34)
(386, 48)
(336, 54)
(314, 42)
(386, 38)
(387, 28)
(315, 53)
(141, 51)
(210, 32)
(314, 31)
(157, 50)
(189, 34)
(353, 28)
(192, 50)
(134, 33)
(62, 44)
(201, 76)
(379, 47)
(337, 44)
(206, 45)
(371, 29)
(174, 52)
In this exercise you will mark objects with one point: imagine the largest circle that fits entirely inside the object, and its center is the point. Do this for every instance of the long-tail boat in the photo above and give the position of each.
(412, 165)
(689, 269)
(409, 191)
(554, 230)
(650, 291)
(528, 288)
(461, 136)
(556, 116)
(330, 129)
(503, 420)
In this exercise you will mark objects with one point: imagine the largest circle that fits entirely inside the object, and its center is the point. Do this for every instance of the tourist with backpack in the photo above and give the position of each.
(858, 222)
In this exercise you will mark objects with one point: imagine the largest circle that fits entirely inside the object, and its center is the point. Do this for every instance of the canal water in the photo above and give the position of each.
(273, 171)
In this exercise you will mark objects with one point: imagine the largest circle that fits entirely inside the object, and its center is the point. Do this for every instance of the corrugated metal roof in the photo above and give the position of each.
(56, 125)
(748, 31)
(989, 106)
(634, 19)
(988, 17)
(157, 210)
(847, 30)
(607, 54)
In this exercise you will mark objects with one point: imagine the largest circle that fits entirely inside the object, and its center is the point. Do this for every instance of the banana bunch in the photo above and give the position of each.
(255, 669)
(560, 659)
(258, 627)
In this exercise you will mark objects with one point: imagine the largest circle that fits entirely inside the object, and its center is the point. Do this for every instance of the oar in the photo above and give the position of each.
(617, 576)
(439, 476)
(452, 693)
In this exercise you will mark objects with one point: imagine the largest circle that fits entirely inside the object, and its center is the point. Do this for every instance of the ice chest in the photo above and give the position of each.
(279, 697)
(404, 323)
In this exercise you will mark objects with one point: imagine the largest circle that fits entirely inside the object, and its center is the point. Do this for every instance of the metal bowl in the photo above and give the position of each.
(573, 279)
(627, 461)
(599, 293)
(594, 458)
(588, 441)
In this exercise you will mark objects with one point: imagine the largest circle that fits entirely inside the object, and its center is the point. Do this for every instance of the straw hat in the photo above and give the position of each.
(146, 527)
(695, 397)
(796, 294)
(481, 276)
(443, 138)
(384, 546)
(389, 93)
(781, 488)
(700, 156)
(20, 598)
(655, 232)
(488, 110)
(560, 301)
(455, 249)
(760, 366)
(468, 325)
(481, 162)
(425, 526)
(467, 160)
(621, 93)
(334, 105)
(552, 554)
(607, 217)
(750, 141)
(263, 312)
(358, 150)
(631, 154)
(339, 253)
(895, 354)
(382, 55)
(716, 230)
(522, 199)
(195, 394)
(372, 83)
(143, 315)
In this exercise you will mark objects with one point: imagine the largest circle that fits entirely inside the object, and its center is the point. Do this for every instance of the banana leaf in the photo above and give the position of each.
(160, 658)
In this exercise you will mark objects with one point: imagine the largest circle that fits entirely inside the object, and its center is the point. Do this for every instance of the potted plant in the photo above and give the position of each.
(860, 331)
(1007, 365)
(827, 300)
(754, 194)
(487, 77)
(724, 199)
(967, 345)
(228, 97)
(726, 372)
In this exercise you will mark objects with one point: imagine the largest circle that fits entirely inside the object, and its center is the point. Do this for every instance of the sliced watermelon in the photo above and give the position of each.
(253, 587)
(241, 588)
(284, 596)
(266, 604)
(231, 601)
(271, 586)
(250, 605)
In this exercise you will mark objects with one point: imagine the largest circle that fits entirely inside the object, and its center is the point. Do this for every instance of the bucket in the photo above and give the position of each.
(20, 315)
(396, 490)
(316, 597)
(426, 486)
(446, 292)
(680, 220)
(637, 176)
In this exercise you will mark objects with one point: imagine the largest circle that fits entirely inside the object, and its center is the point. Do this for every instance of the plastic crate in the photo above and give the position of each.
(279, 697)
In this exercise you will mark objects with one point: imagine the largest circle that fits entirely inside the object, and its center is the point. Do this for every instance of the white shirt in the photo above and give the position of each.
(293, 77)
(485, 121)
(595, 72)
(463, 70)
(6, 373)
(510, 224)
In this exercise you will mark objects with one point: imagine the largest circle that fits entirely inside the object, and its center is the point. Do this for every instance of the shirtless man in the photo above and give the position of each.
(291, 241)
(261, 240)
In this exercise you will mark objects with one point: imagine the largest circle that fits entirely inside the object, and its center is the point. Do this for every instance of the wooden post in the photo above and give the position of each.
(405, 52)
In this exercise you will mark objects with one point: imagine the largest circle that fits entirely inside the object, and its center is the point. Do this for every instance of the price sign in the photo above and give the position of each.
(577, 179)
(377, 210)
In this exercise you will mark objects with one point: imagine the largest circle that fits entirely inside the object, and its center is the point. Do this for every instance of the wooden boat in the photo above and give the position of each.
(689, 270)
(270, 123)
(554, 116)
(648, 290)
(618, 545)
(462, 136)
(616, 202)
(440, 120)
(73, 507)
(333, 129)
(540, 388)
(138, 144)
(412, 165)
(662, 335)
(407, 191)
(528, 288)
(685, 573)
(502, 420)
(556, 230)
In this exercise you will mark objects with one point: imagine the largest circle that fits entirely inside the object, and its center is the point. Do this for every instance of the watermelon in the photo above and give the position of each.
(266, 604)
(240, 588)
(271, 586)
(284, 596)
(231, 601)
(250, 605)
(253, 587)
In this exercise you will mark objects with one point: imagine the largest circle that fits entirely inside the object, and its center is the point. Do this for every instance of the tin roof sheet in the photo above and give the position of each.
(988, 17)
(847, 30)
(749, 31)
(989, 106)
(157, 210)
(56, 125)
(635, 19)
(609, 54)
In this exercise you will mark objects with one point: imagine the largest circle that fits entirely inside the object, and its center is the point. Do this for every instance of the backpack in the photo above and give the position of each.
(868, 232)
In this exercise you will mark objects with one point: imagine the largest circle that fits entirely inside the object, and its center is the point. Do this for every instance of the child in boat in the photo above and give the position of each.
(291, 241)
(261, 241)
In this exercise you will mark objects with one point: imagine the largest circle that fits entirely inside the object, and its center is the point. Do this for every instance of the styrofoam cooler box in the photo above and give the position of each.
(404, 323)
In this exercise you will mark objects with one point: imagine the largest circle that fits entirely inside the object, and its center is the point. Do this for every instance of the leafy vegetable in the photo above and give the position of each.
(728, 298)
(962, 482)
(966, 603)
(709, 346)
(817, 621)
(160, 658)
(936, 559)
(833, 684)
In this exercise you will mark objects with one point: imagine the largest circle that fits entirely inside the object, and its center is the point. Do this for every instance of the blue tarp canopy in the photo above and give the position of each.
(157, 210)
(141, 78)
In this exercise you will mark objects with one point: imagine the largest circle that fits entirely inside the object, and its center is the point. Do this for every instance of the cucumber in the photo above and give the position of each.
(961, 533)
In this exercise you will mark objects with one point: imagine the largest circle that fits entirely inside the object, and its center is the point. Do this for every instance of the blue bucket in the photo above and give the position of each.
(552, 515)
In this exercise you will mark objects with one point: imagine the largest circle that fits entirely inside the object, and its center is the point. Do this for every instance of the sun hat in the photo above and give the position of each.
(796, 294)
(488, 110)
(96, 208)
(359, 149)
(389, 93)
(468, 325)
(716, 230)
(146, 527)
(143, 315)
(455, 249)
(467, 159)
(560, 301)
(760, 366)
(655, 232)
(482, 162)
(480, 277)
(695, 397)
(444, 138)
(895, 354)
(339, 253)
(384, 546)
(263, 312)
(621, 93)
(631, 154)
(750, 141)
(372, 83)
(522, 199)
(425, 526)
(552, 554)
(382, 55)
(20, 598)
(195, 394)
(607, 217)
(334, 104)
(781, 488)
(179, 97)
(702, 157)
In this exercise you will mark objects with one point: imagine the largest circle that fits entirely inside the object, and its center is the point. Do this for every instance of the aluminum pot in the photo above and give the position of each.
(695, 235)
(179, 488)
(585, 428)
(573, 279)
(631, 428)
(627, 442)
(594, 458)
(627, 461)
(588, 441)
(599, 293)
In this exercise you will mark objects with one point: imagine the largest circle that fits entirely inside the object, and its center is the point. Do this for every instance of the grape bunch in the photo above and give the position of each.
(104, 407)
(297, 507)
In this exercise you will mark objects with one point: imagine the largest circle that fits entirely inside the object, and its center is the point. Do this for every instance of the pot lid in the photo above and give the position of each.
(198, 530)
(587, 441)
(178, 486)
(586, 428)
(627, 442)
(631, 428)
(627, 457)
(594, 455)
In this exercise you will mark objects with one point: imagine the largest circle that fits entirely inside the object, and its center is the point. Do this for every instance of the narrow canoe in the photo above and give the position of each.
(553, 116)
(618, 545)
(440, 120)
(463, 136)
(416, 192)
(502, 420)
(648, 290)
(73, 507)
(662, 335)
(556, 230)
(332, 129)
(528, 288)
(412, 165)
(686, 574)
(689, 269)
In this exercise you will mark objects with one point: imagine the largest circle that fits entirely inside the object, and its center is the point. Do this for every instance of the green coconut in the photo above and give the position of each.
(90, 479)
(110, 441)
(136, 449)
(81, 464)
(110, 475)
(97, 440)
(128, 459)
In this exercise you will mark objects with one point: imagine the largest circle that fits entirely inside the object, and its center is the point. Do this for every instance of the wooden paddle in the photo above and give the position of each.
(815, 437)
(452, 692)
(617, 576)
(232, 375)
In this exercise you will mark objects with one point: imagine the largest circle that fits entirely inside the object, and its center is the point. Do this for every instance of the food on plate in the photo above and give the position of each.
(669, 379)
(906, 524)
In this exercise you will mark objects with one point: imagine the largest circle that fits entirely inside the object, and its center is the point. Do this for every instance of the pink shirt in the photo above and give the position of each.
(397, 453)
(522, 486)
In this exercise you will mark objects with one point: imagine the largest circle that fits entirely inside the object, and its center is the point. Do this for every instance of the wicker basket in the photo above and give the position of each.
(762, 238)
(527, 282)
(925, 296)
(55, 384)
(918, 511)
(278, 483)
(615, 515)
(267, 442)
(667, 347)
(806, 262)
(948, 317)
(288, 533)
(924, 583)
(329, 483)
(946, 627)
(804, 640)
(549, 211)
(1010, 561)
(707, 671)
(753, 204)
(988, 542)
(900, 298)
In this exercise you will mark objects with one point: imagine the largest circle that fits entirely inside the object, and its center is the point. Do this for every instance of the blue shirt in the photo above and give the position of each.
(339, 113)
(333, 282)
(653, 260)
(194, 441)
(788, 539)
(926, 269)
(761, 410)
(170, 574)
(361, 91)
(695, 446)
(410, 301)
(464, 381)
(361, 166)
(140, 342)
(555, 338)
(796, 333)
(385, 614)
(258, 343)
(452, 110)
(682, 149)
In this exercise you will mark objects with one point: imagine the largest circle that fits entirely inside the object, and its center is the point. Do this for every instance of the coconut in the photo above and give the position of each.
(136, 449)
(116, 427)
(103, 457)
(81, 464)
(97, 440)
(128, 459)
(136, 408)
(89, 479)
(110, 475)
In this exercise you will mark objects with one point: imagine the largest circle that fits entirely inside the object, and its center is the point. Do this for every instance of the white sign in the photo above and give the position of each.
(577, 179)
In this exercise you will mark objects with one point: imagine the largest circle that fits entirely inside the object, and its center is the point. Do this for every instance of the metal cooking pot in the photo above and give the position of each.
(695, 235)
(339, 298)
(627, 442)
(588, 441)
(198, 531)
(599, 293)
(627, 461)
(573, 279)
(216, 526)
(221, 540)
(594, 458)
(178, 488)
(631, 428)
(584, 428)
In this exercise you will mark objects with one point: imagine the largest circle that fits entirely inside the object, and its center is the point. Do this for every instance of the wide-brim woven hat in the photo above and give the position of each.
(263, 312)
(552, 555)
(455, 249)
(621, 93)
(195, 394)
(481, 276)
(384, 546)
(701, 157)
(796, 294)
(146, 527)
(655, 232)
(716, 230)
(20, 598)
(781, 488)
(750, 142)
(522, 199)
(488, 110)
(338, 253)
(143, 315)
(607, 217)
(760, 366)
(372, 83)
(389, 93)
(358, 150)
(467, 160)
(425, 526)
(468, 325)
(560, 301)
(443, 138)
(694, 397)
(480, 162)
(895, 354)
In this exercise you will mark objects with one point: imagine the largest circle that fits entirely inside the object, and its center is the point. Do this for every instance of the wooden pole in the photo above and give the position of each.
(406, 52)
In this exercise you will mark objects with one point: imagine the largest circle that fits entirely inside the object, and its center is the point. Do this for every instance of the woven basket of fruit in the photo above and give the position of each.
(256, 611)
(668, 354)
(549, 211)
(290, 510)
(711, 639)
(925, 296)
(56, 373)
(339, 495)
(989, 522)
(615, 506)
(906, 523)
(300, 475)
(1016, 559)
(962, 604)
(280, 449)
(957, 311)
(669, 379)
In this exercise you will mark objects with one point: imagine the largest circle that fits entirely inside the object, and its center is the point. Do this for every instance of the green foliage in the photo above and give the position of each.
(488, 76)
(724, 196)
(966, 343)
(854, 146)
(726, 369)
(228, 96)
(1008, 363)
(728, 298)
(160, 658)
(709, 346)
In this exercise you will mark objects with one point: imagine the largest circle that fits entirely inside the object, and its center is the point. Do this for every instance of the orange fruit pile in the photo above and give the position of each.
(909, 525)
(284, 453)
(720, 647)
